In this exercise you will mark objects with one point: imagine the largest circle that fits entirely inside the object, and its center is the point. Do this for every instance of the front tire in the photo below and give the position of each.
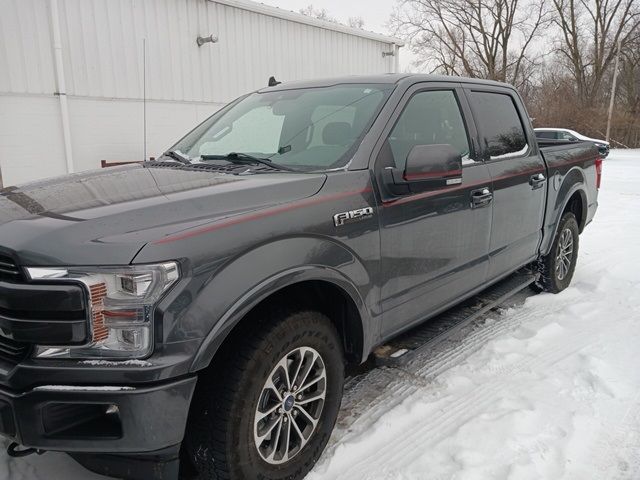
(557, 268)
(268, 409)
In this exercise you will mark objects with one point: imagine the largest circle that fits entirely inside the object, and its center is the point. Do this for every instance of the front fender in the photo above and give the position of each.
(246, 280)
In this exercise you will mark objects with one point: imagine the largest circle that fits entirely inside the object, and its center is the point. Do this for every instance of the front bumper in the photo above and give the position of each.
(114, 420)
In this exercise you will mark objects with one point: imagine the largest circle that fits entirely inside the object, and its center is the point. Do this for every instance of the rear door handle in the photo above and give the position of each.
(481, 197)
(537, 180)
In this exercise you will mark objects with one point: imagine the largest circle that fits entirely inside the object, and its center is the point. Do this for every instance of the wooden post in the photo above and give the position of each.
(613, 91)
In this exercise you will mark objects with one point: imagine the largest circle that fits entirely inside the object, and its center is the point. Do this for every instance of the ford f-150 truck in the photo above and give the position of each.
(194, 315)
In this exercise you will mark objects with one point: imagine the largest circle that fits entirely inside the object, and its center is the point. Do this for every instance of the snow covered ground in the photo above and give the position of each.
(549, 389)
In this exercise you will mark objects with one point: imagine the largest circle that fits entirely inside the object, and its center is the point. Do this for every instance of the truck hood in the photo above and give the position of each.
(104, 217)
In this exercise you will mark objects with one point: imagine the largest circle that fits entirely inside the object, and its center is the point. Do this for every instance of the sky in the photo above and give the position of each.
(375, 14)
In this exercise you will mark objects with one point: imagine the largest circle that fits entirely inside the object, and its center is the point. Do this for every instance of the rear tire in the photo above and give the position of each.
(556, 269)
(229, 436)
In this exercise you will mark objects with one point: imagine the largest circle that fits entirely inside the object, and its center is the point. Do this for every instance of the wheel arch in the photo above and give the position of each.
(324, 289)
(577, 204)
(571, 196)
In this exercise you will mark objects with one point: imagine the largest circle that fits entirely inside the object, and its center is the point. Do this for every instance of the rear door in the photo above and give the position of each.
(517, 170)
(435, 243)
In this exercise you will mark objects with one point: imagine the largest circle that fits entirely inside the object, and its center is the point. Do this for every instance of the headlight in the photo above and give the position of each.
(122, 301)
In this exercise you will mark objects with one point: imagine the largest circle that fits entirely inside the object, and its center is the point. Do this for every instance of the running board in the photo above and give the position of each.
(424, 337)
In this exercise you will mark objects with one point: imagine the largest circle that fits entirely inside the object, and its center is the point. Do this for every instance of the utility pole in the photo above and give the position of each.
(613, 90)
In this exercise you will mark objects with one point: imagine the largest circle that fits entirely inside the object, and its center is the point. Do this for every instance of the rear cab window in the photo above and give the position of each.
(501, 130)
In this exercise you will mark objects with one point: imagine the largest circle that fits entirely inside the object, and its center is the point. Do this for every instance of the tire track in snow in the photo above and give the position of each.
(462, 409)
(430, 364)
(618, 446)
(379, 387)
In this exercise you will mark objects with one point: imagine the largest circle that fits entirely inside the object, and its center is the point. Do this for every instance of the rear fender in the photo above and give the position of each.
(558, 200)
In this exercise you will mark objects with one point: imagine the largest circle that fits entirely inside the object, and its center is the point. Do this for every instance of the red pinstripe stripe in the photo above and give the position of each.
(255, 216)
(420, 196)
(433, 174)
(336, 196)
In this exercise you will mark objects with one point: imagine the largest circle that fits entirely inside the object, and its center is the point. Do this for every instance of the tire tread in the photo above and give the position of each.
(229, 371)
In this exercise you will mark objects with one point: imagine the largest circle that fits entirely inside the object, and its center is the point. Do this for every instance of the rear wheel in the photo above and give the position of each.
(556, 268)
(269, 410)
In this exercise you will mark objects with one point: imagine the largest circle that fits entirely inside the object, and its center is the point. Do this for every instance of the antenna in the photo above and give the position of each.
(273, 82)
(144, 99)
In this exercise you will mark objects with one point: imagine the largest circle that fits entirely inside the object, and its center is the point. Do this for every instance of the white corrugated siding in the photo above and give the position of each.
(103, 67)
(102, 49)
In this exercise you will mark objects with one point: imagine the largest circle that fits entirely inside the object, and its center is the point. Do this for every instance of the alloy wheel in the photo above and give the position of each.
(564, 254)
(290, 405)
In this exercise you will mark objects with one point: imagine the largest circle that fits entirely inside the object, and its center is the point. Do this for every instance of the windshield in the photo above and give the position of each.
(306, 128)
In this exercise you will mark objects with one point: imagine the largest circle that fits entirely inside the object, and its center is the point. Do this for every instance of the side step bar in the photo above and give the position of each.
(424, 337)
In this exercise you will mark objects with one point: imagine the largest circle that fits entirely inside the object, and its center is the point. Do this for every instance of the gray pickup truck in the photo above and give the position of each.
(195, 315)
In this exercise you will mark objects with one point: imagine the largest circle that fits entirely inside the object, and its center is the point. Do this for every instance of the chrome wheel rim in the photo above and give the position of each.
(290, 405)
(564, 254)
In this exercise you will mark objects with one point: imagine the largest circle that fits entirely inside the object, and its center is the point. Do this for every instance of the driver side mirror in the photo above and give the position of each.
(428, 167)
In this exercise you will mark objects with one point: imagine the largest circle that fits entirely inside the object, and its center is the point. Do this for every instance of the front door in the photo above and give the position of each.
(435, 243)
(518, 175)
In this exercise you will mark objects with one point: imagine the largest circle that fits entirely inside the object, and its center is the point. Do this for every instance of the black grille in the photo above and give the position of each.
(12, 351)
(8, 269)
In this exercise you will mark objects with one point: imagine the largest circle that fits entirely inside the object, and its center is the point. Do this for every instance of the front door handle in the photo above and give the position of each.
(481, 197)
(537, 180)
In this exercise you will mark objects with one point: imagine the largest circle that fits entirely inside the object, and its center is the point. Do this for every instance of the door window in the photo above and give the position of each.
(431, 117)
(547, 134)
(499, 123)
(566, 136)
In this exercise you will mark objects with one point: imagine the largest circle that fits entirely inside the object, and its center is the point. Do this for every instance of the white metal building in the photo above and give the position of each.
(73, 73)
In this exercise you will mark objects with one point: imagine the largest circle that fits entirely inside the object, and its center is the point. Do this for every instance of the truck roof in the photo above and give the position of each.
(387, 78)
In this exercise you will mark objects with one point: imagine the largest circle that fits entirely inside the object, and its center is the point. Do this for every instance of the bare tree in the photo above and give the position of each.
(323, 14)
(356, 22)
(476, 38)
(319, 13)
(628, 113)
(589, 33)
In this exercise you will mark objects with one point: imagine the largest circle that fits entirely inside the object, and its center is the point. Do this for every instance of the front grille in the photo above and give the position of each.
(12, 351)
(9, 270)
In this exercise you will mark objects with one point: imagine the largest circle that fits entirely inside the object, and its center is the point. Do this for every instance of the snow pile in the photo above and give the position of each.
(546, 390)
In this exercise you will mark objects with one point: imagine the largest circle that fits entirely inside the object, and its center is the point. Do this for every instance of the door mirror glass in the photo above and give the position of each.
(427, 167)
(440, 164)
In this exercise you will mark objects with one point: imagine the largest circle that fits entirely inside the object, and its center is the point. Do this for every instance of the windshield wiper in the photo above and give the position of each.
(238, 157)
(179, 157)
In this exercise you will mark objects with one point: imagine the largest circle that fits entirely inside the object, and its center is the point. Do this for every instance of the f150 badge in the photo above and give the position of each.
(351, 216)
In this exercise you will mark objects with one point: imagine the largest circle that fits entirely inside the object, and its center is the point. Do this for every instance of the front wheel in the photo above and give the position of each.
(556, 269)
(267, 412)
